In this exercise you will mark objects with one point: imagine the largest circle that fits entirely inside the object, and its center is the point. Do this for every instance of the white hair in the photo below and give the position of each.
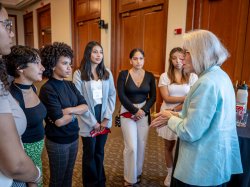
(205, 49)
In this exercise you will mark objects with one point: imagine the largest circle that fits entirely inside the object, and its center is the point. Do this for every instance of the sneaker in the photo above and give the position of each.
(167, 179)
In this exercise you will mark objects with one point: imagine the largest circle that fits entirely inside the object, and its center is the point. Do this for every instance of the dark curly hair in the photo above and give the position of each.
(50, 55)
(85, 68)
(3, 78)
(19, 58)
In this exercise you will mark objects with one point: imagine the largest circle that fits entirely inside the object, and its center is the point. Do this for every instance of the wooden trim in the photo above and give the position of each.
(39, 11)
(15, 26)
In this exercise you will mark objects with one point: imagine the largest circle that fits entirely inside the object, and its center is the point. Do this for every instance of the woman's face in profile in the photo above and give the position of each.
(34, 71)
(137, 60)
(187, 63)
(6, 34)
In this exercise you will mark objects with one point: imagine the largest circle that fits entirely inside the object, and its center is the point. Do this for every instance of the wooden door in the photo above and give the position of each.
(229, 22)
(86, 31)
(87, 9)
(44, 25)
(245, 74)
(28, 29)
(144, 28)
(85, 26)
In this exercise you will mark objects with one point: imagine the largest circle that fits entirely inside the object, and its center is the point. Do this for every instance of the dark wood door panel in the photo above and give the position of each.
(228, 21)
(154, 41)
(44, 25)
(131, 33)
(86, 31)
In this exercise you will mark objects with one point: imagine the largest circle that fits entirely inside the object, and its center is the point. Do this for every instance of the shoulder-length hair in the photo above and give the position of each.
(19, 58)
(50, 55)
(205, 49)
(85, 68)
(170, 72)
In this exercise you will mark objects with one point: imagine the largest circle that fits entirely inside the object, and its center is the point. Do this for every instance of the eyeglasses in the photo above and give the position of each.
(7, 24)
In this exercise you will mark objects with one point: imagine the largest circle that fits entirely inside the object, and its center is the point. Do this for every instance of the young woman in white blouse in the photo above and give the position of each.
(174, 86)
(95, 82)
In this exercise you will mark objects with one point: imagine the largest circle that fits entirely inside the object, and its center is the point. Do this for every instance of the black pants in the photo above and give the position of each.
(93, 174)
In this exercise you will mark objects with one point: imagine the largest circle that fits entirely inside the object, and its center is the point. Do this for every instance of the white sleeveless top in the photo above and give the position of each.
(9, 105)
(177, 90)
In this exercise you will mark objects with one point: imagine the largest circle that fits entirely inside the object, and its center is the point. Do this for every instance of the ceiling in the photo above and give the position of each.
(17, 4)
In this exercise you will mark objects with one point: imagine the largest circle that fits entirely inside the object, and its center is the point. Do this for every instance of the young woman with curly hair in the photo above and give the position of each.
(16, 168)
(24, 64)
(63, 102)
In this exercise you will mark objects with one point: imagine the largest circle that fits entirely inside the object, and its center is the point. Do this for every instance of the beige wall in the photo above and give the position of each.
(176, 19)
(61, 24)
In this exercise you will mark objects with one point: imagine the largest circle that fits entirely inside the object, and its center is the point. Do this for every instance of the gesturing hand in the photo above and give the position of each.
(161, 118)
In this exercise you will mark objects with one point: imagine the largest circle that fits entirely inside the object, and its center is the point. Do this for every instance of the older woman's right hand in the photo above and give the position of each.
(161, 118)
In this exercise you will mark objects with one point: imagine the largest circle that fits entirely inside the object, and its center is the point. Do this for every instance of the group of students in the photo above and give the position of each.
(87, 104)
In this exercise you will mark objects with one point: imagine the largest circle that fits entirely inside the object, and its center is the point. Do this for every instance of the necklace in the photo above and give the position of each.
(25, 89)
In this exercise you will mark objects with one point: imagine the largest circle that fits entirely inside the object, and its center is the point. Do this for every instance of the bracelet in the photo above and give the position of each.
(73, 117)
(39, 178)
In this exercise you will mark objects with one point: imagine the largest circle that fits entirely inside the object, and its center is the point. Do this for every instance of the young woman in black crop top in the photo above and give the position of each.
(137, 94)
(24, 64)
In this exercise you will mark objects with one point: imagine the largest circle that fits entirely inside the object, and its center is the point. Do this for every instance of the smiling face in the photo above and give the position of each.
(137, 60)
(63, 68)
(6, 35)
(96, 55)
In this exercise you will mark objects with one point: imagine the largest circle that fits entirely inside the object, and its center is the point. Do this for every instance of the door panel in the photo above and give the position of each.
(154, 41)
(28, 29)
(44, 25)
(86, 31)
(125, 5)
(130, 37)
(228, 21)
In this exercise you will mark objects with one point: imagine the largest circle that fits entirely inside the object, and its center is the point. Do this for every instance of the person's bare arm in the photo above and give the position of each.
(14, 162)
(170, 99)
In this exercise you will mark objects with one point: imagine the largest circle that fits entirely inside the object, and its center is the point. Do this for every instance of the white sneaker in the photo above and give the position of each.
(167, 180)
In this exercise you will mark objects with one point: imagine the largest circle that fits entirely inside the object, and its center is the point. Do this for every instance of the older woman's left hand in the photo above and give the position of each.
(161, 118)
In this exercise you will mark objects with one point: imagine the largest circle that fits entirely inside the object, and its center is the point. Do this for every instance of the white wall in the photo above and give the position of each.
(176, 19)
(106, 33)
(61, 24)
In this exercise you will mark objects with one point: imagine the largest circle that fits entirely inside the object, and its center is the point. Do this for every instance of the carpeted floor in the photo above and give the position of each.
(154, 171)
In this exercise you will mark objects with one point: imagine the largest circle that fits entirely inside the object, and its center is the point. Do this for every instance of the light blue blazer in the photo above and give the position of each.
(209, 150)
(87, 121)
